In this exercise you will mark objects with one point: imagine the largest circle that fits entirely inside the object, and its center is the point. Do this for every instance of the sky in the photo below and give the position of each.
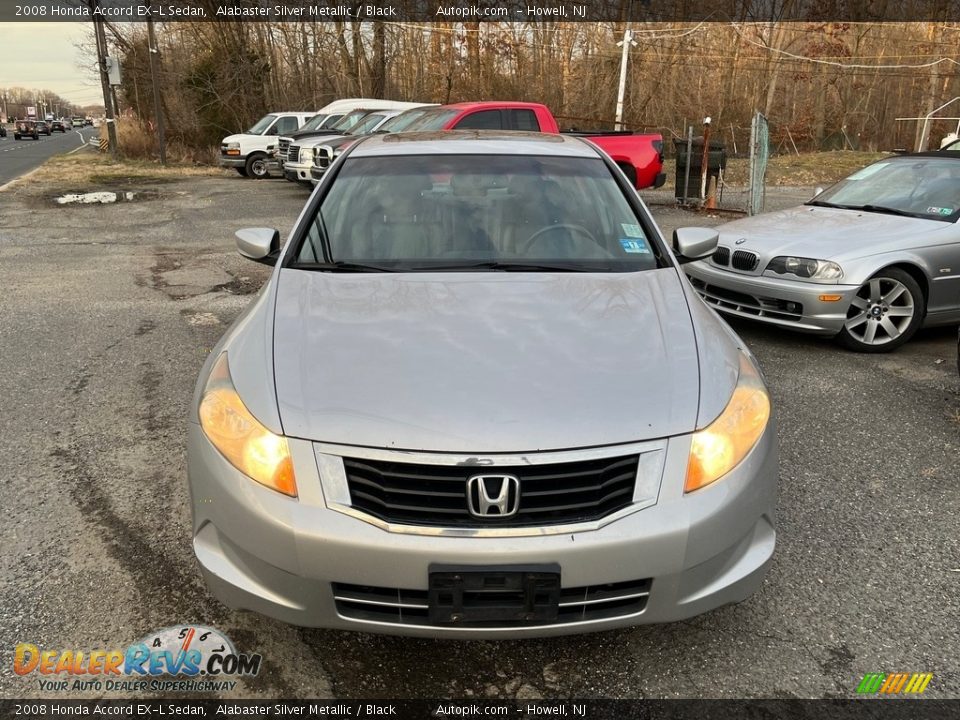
(44, 55)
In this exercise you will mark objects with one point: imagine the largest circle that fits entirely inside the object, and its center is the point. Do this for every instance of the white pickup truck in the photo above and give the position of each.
(246, 152)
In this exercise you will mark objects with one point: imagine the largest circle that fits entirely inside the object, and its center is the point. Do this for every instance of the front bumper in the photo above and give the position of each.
(791, 304)
(231, 161)
(297, 172)
(262, 551)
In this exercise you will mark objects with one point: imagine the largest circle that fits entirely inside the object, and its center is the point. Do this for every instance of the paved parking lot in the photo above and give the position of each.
(108, 314)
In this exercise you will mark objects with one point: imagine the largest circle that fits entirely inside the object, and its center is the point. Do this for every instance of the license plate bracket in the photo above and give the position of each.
(510, 595)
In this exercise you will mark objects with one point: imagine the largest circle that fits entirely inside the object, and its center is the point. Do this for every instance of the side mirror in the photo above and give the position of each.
(272, 130)
(817, 190)
(260, 244)
(694, 243)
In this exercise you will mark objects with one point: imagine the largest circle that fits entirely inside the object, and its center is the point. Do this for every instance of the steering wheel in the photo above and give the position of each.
(574, 230)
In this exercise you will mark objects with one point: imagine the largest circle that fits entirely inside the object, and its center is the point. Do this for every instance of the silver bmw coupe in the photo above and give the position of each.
(479, 398)
(869, 261)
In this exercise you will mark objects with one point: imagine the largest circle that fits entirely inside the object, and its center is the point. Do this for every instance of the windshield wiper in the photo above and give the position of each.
(887, 210)
(500, 266)
(867, 208)
(340, 266)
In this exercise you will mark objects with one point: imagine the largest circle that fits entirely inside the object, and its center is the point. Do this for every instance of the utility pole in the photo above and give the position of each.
(155, 80)
(621, 91)
(105, 81)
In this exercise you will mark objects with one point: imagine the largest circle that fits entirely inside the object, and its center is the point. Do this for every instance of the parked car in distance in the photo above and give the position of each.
(42, 127)
(869, 261)
(353, 110)
(639, 156)
(26, 129)
(77, 122)
(58, 126)
(3, 130)
(298, 170)
(331, 147)
(247, 152)
(477, 398)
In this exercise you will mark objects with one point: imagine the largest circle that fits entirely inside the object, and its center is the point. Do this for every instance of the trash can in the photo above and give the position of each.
(716, 161)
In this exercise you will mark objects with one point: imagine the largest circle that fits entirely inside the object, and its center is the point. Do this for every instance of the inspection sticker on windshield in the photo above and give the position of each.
(940, 211)
(634, 246)
(632, 230)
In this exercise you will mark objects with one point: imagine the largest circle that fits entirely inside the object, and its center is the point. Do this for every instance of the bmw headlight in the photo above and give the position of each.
(723, 444)
(250, 447)
(806, 268)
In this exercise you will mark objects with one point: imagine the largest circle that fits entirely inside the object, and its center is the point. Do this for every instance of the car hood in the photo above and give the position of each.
(484, 362)
(824, 233)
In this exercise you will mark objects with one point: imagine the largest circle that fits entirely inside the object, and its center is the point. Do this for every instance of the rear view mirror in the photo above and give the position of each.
(260, 244)
(694, 243)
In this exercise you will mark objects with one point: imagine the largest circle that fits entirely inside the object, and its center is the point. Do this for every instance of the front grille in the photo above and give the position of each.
(745, 260)
(323, 158)
(398, 606)
(721, 256)
(282, 149)
(293, 154)
(758, 306)
(436, 495)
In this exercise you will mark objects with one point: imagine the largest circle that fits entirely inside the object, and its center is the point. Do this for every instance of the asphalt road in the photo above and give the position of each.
(108, 314)
(21, 156)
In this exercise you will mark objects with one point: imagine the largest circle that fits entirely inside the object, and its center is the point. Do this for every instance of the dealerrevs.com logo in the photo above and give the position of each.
(179, 658)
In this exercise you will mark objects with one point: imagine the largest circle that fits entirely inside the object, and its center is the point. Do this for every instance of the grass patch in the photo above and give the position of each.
(806, 169)
(89, 168)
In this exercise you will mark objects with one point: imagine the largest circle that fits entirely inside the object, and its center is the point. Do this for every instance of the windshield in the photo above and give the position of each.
(262, 124)
(315, 122)
(477, 212)
(923, 187)
(401, 122)
(367, 124)
(433, 120)
(350, 119)
(331, 121)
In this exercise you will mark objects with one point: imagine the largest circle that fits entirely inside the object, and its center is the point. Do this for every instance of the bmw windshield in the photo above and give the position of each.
(921, 187)
(477, 212)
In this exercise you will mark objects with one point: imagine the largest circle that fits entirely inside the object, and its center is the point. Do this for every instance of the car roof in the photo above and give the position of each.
(473, 142)
(495, 104)
(955, 154)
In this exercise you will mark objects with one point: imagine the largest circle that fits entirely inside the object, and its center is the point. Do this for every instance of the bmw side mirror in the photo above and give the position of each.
(694, 243)
(260, 244)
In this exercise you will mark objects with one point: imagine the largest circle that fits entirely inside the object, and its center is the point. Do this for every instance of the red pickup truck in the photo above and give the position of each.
(640, 156)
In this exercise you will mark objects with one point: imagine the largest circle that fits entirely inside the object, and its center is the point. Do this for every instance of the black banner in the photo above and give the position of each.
(866, 709)
(481, 10)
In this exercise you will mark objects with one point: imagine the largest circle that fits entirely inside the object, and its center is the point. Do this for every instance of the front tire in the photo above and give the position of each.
(256, 167)
(241, 171)
(887, 310)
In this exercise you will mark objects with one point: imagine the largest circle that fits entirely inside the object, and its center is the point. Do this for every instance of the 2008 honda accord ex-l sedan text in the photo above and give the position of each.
(478, 398)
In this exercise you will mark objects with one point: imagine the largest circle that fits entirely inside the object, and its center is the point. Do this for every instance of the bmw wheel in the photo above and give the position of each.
(885, 313)
(256, 167)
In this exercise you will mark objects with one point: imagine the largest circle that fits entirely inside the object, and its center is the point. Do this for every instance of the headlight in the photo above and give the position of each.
(806, 268)
(240, 438)
(306, 154)
(233, 148)
(721, 446)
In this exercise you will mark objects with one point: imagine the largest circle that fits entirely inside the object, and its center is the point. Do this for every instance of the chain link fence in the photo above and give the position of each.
(731, 177)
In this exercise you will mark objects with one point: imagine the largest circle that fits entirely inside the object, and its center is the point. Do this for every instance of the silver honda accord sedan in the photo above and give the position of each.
(478, 398)
(869, 261)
